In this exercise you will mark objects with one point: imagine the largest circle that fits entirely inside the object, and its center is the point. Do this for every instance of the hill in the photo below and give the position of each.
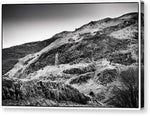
(94, 65)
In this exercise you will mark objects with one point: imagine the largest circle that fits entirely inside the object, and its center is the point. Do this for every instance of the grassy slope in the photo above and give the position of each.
(11, 55)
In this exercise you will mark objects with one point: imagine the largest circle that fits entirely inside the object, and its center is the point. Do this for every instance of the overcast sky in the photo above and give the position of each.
(28, 23)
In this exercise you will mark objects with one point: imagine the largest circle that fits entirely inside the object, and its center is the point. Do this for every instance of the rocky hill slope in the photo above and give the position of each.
(95, 65)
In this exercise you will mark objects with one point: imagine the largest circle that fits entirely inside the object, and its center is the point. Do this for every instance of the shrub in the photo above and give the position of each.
(106, 76)
(22, 92)
(122, 58)
(11, 90)
(82, 70)
(82, 78)
(127, 95)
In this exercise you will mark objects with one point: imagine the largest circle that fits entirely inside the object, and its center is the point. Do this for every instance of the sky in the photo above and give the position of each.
(23, 23)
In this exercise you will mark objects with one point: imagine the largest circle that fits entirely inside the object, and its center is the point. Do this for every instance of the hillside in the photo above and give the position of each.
(11, 55)
(94, 65)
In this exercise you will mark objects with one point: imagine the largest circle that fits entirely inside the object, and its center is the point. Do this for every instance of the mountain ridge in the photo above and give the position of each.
(38, 45)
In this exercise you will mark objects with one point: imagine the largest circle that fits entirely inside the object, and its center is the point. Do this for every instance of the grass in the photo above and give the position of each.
(11, 55)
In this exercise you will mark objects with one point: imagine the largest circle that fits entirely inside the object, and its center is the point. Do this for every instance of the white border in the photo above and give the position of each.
(63, 1)
(80, 108)
(139, 30)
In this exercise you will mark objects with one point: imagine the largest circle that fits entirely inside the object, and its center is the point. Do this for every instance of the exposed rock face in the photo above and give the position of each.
(79, 68)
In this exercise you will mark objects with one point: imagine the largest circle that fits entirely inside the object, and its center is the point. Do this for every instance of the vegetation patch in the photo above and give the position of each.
(107, 76)
(11, 55)
(80, 70)
(82, 78)
(122, 58)
(127, 95)
(18, 91)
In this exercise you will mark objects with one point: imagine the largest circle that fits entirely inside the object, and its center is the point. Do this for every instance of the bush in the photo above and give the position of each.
(127, 95)
(122, 58)
(82, 78)
(106, 76)
(11, 90)
(82, 70)
(22, 92)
